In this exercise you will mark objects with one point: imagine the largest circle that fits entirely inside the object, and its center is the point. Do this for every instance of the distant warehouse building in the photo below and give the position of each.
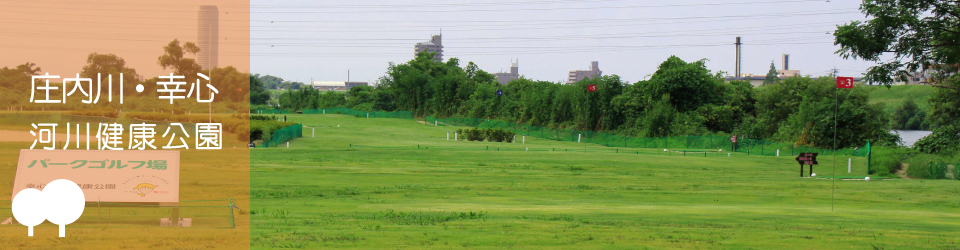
(336, 86)
(577, 75)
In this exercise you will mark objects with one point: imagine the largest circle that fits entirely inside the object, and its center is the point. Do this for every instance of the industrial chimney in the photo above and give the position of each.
(736, 70)
(786, 61)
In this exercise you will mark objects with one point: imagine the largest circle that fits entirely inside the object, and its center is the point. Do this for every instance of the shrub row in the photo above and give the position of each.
(491, 135)
(263, 129)
(263, 118)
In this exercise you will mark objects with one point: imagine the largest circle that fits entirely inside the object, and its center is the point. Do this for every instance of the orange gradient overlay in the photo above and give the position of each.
(143, 40)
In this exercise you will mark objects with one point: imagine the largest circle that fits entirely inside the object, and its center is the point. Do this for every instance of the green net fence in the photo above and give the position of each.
(935, 170)
(341, 111)
(712, 142)
(282, 135)
(197, 213)
(361, 114)
(269, 111)
(595, 149)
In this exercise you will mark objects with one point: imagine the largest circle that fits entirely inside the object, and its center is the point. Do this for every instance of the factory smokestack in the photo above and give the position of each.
(736, 70)
(786, 61)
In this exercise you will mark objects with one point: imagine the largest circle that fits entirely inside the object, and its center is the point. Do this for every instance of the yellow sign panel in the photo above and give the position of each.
(104, 176)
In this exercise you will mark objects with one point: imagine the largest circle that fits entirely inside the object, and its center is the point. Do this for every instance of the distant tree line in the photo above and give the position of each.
(680, 98)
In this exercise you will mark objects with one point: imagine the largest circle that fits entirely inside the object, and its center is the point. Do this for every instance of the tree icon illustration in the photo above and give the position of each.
(28, 208)
(64, 203)
(61, 202)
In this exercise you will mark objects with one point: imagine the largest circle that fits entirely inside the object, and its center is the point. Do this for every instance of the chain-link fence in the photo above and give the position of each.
(282, 135)
(748, 146)
(197, 213)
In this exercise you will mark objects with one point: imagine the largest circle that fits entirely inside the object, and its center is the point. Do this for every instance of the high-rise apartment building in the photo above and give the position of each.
(577, 75)
(433, 46)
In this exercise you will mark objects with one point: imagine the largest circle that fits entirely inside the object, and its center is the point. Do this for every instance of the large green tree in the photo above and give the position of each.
(175, 57)
(771, 77)
(18, 78)
(917, 36)
(110, 65)
(690, 85)
(269, 81)
(258, 95)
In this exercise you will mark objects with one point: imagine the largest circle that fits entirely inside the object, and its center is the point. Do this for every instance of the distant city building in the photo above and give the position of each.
(577, 75)
(350, 85)
(757, 80)
(504, 78)
(782, 74)
(335, 86)
(787, 73)
(786, 68)
(435, 45)
(914, 78)
(208, 34)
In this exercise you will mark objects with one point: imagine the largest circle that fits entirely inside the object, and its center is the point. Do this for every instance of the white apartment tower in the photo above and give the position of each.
(435, 45)
(577, 75)
(208, 33)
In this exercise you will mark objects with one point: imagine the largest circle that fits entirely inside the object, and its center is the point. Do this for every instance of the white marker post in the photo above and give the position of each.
(313, 132)
(434, 123)
(849, 164)
(524, 139)
(448, 135)
(288, 144)
(778, 152)
(578, 138)
(455, 136)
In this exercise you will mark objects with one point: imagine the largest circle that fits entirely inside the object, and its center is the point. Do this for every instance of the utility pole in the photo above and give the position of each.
(209, 71)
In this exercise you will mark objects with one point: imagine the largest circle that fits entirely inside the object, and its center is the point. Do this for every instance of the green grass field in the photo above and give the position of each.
(387, 194)
(894, 96)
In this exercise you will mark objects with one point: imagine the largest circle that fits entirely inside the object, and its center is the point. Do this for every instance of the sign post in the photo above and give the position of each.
(807, 159)
(733, 143)
(149, 177)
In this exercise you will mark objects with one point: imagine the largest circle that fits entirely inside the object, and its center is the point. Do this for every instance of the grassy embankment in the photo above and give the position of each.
(322, 193)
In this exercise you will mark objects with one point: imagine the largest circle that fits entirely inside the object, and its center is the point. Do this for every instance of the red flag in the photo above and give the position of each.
(844, 82)
(591, 88)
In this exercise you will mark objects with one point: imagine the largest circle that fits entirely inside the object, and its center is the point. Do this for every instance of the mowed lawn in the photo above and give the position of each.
(325, 192)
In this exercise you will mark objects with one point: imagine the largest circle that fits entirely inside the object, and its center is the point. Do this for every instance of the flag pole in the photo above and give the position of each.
(836, 110)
